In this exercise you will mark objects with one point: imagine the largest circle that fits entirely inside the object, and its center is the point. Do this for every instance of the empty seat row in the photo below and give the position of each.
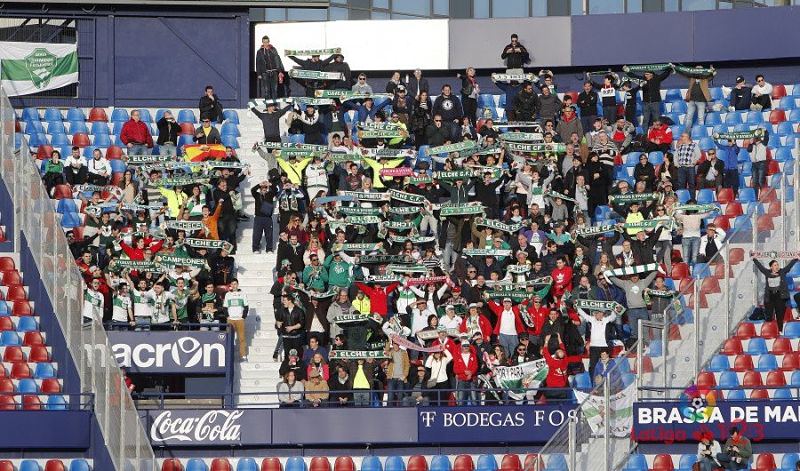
(33, 402)
(24, 369)
(46, 465)
(117, 115)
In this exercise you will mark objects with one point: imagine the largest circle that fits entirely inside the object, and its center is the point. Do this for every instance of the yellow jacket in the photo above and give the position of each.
(294, 171)
(175, 199)
(376, 169)
(634, 217)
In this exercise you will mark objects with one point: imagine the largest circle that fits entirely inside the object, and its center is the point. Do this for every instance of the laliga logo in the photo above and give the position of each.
(701, 404)
(198, 429)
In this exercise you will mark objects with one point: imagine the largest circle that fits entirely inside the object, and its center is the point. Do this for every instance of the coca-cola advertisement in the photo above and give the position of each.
(204, 427)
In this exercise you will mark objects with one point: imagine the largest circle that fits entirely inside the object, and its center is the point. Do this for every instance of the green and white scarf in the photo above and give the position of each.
(486, 252)
(597, 305)
(414, 240)
(461, 209)
(359, 211)
(362, 247)
(522, 136)
(366, 196)
(555, 194)
(313, 52)
(629, 198)
(649, 224)
(701, 208)
(463, 174)
(449, 148)
(185, 225)
(404, 210)
(148, 159)
(634, 270)
(554, 147)
(139, 265)
(399, 225)
(513, 77)
(406, 269)
(646, 67)
(409, 198)
(205, 243)
(738, 135)
(315, 75)
(303, 100)
(173, 261)
(363, 220)
(696, 72)
(499, 225)
(775, 255)
(291, 145)
(595, 230)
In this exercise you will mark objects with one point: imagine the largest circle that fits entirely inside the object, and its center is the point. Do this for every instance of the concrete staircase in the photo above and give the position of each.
(260, 373)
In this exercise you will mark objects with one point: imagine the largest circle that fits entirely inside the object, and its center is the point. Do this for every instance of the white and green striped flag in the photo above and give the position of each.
(27, 68)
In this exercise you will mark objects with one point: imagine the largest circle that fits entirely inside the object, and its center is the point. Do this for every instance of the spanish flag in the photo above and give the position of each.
(203, 152)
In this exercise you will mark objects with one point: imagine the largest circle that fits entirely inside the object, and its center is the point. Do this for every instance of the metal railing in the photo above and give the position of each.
(37, 224)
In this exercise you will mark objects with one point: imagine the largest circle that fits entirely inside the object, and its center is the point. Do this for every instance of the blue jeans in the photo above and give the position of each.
(687, 176)
(690, 247)
(262, 227)
(634, 316)
(508, 342)
(650, 113)
(395, 392)
(167, 149)
(691, 108)
(142, 323)
(138, 149)
(466, 395)
(759, 174)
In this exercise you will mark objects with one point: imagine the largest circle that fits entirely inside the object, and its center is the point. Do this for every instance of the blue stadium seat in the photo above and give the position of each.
(742, 127)
(673, 94)
(71, 220)
(230, 141)
(687, 461)
(754, 117)
(766, 362)
(733, 117)
(56, 127)
(677, 129)
(683, 195)
(44, 370)
(78, 126)
(27, 324)
(486, 463)
(713, 118)
(79, 465)
(4, 311)
(34, 127)
(59, 140)
(636, 462)
(185, 139)
(117, 166)
(700, 271)
(678, 106)
(789, 460)
(297, 138)
(144, 115)
(231, 116)
(230, 129)
(782, 154)
(246, 464)
(783, 394)
(196, 464)
(706, 196)
(36, 140)
(774, 140)
(394, 463)
(370, 463)
(747, 195)
(719, 363)
(27, 386)
(632, 159)
(119, 115)
(75, 114)
(100, 128)
(707, 143)
(757, 346)
(30, 465)
(736, 395)
(56, 402)
(557, 462)
(186, 116)
(728, 379)
(785, 128)
(160, 113)
(31, 114)
(698, 133)
(716, 94)
(656, 157)
(787, 103)
(101, 140)
(656, 349)
(440, 463)
(583, 381)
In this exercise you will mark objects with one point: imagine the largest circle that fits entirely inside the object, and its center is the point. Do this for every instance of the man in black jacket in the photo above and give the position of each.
(269, 69)
(642, 245)
(741, 96)
(515, 55)
(436, 134)
(587, 103)
(651, 94)
(226, 225)
(416, 84)
(486, 193)
(336, 63)
(168, 131)
(526, 105)
(264, 196)
(210, 106)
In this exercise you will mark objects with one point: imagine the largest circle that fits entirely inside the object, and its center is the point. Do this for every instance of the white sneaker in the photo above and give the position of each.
(257, 251)
(244, 358)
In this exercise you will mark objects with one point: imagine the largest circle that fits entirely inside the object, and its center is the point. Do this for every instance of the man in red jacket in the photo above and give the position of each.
(659, 137)
(562, 278)
(557, 368)
(465, 366)
(378, 296)
(508, 324)
(136, 135)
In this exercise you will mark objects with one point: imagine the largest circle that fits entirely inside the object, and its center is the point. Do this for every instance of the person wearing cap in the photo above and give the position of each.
(465, 368)
(707, 450)
(741, 96)
(293, 363)
(476, 323)
(450, 320)
(317, 390)
(508, 324)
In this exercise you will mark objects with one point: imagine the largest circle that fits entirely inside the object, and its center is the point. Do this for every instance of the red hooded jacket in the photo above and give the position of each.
(460, 367)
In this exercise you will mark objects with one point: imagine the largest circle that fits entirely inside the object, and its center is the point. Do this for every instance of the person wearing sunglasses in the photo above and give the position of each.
(762, 92)
(361, 86)
(206, 133)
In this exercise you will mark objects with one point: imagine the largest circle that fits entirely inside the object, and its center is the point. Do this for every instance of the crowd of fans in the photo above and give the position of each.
(383, 255)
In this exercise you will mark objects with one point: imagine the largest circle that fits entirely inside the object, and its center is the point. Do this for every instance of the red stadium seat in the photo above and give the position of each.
(463, 463)
(732, 346)
(534, 462)
(769, 330)
(6, 386)
(172, 464)
(723, 222)
(710, 285)
(778, 91)
(686, 285)
(663, 462)
(776, 378)
(187, 128)
(54, 465)
(44, 152)
(759, 395)
(7, 263)
(12, 354)
(81, 139)
(767, 194)
(725, 195)
(572, 94)
(274, 464)
(7, 402)
(50, 386)
(11, 277)
(782, 346)
(6, 465)
(31, 402)
(98, 114)
(736, 255)
(22, 308)
(221, 464)
(319, 463)
(765, 462)
(33, 338)
(62, 192)
(733, 209)
(16, 293)
(764, 223)
(511, 462)
(777, 116)
(676, 256)
(39, 354)
(21, 370)
(114, 153)
(679, 271)
(415, 463)
(751, 378)
(774, 209)
(746, 330)
(706, 380)
(743, 362)
(6, 324)
(674, 332)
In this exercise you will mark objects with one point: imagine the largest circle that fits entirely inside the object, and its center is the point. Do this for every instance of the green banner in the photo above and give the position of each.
(315, 75)
(499, 225)
(345, 95)
(380, 133)
(139, 265)
(738, 135)
(27, 67)
(461, 209)
(366, 196)
(629, 198)
(449, 148)
(356, 354)
(148, 159)
(464, 174)
(409, 198)
(171, 260)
